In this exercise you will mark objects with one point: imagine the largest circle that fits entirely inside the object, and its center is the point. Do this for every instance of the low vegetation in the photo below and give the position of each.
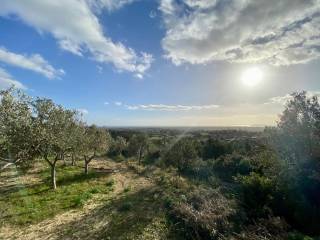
(194, 185)
(26, 204)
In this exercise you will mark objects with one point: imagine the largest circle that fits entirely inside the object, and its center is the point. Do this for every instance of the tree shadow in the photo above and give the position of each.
(126, 217)
(79, 178)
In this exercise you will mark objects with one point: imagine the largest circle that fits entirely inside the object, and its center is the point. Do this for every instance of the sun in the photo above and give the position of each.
(252, 77)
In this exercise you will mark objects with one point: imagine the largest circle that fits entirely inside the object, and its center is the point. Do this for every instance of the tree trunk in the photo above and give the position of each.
(73, 160)
(53, 170)
(140, 155)
(86, 167)
(87, 160)
(53, 176)
(64, 160)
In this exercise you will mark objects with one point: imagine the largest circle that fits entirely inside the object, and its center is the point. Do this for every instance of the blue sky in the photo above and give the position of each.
(163, 62)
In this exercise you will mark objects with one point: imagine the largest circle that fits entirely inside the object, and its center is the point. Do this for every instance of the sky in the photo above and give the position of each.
(163, 62)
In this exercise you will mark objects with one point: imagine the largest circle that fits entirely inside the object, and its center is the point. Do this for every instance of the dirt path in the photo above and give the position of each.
(100, 218)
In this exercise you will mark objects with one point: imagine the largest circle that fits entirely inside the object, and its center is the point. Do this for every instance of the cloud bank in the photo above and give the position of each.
(75, 26)
(7, 81)
(34, 62)
(170, 108)
(277, 32)
(282, 100)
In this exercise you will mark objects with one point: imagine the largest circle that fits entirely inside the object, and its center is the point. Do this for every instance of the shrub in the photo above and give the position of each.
(205, 214)
(299, 236)
(273, 228)
(181, 154)
(110, 183)
(298, 200)
(127, 189)
(215, 148)
(231, 165)
(126, 206)
(257, 194)
(94, 190)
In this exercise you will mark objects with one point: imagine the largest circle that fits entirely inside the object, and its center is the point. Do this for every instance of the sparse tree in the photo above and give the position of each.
(96, 141)
(76, 134)
(138, 145)
(119, 145)
(52, 124)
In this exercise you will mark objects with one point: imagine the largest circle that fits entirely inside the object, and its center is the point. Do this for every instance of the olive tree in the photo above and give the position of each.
(96, 141)
(76, 134)
(138, 145)
(119, 145)
(17, 144)
(52, 125)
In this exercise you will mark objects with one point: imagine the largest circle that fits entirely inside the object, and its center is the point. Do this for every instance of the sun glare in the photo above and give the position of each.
(252, 76)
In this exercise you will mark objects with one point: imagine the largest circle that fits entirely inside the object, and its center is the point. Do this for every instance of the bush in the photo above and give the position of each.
(273, 228)
(298, 200)
(181, 154)
(152, 156)
(204, 215)
(127, 189)
(257, 194)
(110, 183)
(215, 148)
(126, 206)
(299, 236)
(231, 165)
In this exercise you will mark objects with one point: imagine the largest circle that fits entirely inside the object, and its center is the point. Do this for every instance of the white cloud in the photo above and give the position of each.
(170, 108)
(110, 5)
(78, 30)
(167, 7)
(34, 62)
(118, 103)
(83, 111)
(282, 100)
(276, 32)
(152, 14)
(6, 81)
(106, 103)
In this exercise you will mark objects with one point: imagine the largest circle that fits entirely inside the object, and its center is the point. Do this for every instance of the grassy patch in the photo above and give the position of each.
(30, 204)
(140, 216)
(127, 189)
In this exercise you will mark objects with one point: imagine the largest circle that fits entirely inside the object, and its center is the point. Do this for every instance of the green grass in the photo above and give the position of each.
(31, 204)
(139, 215)
(127, 189)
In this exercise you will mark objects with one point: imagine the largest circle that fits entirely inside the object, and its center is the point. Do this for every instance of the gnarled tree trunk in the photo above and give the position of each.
(87, 160)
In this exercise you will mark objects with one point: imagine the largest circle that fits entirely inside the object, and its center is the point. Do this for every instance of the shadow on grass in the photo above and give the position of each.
(64, 178)
(78, 178)
(130, 216)
(30, 203)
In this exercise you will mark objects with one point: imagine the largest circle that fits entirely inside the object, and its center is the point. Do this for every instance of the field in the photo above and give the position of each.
(112, 202)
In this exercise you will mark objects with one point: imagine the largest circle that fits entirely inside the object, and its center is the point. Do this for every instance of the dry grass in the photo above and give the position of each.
(100, 217)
